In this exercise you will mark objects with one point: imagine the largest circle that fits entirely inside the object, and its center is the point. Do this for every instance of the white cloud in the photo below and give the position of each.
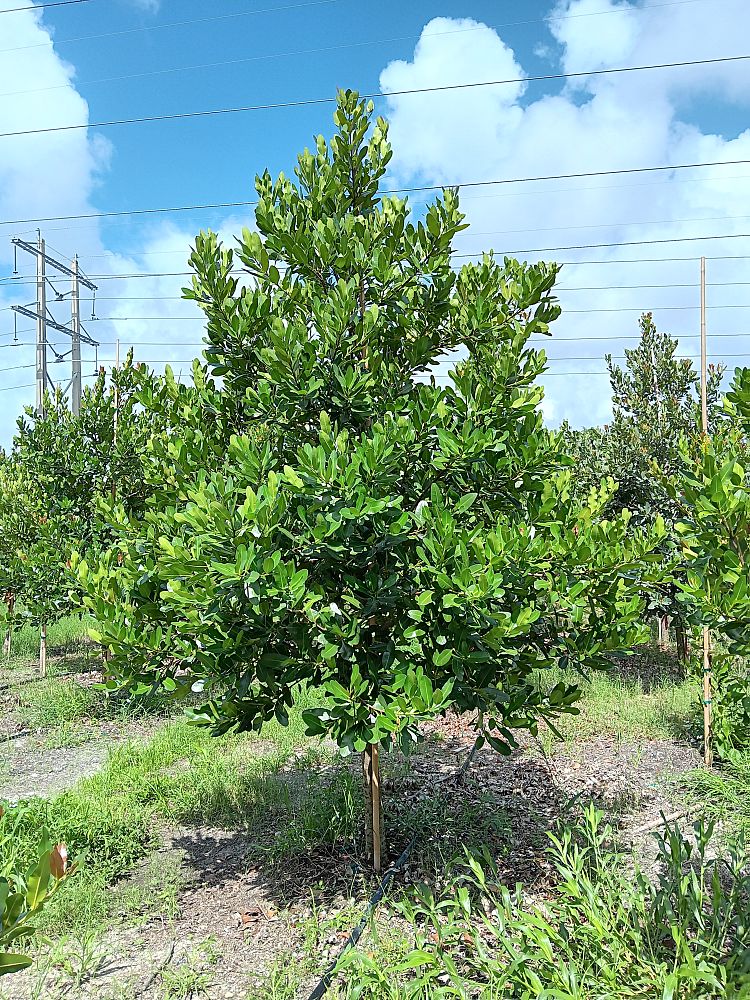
(58, 174)
(595, 123)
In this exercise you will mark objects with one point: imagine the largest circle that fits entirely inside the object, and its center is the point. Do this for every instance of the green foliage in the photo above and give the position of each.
(724, 793)
(597, 934)
(23, 891)
(60, 466)
(656, 412)
(400, 546)
(714, 496)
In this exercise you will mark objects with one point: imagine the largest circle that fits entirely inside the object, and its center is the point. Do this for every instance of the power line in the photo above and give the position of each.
(219, 17)
(471, 196)
(310, 51)
(410, 91)
(184, 251)
(41, 6)
(403, 190)
(551, 360)
(618, 243)
(170, 24)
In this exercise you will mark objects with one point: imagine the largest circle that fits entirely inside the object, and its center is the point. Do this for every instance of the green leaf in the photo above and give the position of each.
(10, 963)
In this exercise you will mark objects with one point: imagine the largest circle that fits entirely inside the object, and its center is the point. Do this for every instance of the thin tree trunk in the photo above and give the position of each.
(663, 631)
(10, 600)
(43, 649)
(373, 805)
(683, 647)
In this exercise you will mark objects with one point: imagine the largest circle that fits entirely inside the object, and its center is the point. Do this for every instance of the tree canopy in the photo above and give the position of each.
(400, 540)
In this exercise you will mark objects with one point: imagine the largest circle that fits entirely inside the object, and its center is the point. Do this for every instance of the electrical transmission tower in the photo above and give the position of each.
(45, 321)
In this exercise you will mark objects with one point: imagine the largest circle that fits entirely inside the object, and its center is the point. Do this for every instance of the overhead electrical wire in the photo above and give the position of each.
(266, 57)
(219, 17)
(470, 196)
(43, 6)
(184, 251)
(156, 26)
(421, 188)
(552, 360)
(405, 92)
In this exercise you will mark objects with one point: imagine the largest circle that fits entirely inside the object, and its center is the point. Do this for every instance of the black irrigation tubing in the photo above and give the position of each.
(330, 974)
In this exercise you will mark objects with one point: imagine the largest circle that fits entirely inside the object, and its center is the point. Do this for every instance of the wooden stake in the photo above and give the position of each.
(43, 650)
(377, 846)
(10, 602)
(116, 419)
(374, 826)
(707, 749)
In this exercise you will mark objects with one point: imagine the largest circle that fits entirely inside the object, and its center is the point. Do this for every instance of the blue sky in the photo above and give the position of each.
(108, 59)
(330, 44)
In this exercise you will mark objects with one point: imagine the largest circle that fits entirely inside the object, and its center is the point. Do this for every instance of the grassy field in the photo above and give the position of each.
(241, 859)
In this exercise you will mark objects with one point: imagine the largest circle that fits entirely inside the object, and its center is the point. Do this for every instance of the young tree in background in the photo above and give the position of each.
(400, 545)
(714, 498)
(656, 407)
(60, 467)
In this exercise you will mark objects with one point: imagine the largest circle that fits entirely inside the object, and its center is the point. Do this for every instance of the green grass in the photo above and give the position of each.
(601, 930)
(192, 977)
(183, 775)
(63, 637)
(628, 707)
(54, 702)
(723, 794)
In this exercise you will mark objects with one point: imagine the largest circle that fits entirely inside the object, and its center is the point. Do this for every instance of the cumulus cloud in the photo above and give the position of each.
(59, 174)
(593, 123)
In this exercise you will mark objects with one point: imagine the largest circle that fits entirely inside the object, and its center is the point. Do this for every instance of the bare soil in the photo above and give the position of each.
(236, 914)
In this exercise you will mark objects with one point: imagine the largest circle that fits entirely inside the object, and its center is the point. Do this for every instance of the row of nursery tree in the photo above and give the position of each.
(313, 509)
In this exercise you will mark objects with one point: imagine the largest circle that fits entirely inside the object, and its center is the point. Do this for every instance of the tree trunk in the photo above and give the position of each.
(373, 805)
(683, 646)
(10, 600)
(663, 631)
(43, 650)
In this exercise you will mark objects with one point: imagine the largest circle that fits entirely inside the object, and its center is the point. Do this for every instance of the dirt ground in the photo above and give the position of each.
(252, 914)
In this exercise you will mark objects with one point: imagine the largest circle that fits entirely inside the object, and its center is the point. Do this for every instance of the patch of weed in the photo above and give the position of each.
(626, 707)
(193, 976)
(52, 702)
(600, 931)
(724, 793)
(153, 891)
(327, 815)
(68, 735)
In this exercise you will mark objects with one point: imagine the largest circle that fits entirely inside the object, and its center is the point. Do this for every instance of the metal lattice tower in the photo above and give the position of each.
(45, 320)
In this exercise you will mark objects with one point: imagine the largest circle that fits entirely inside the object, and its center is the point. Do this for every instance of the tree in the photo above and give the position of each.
(19, 524)
(399, 545)
(60, 466)
(714, 500)
(656, 408)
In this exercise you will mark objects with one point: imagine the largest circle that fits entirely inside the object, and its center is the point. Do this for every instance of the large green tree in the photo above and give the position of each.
(397, 544)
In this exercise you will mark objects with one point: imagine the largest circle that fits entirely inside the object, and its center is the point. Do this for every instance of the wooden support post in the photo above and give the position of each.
(373, 804)
(377, 845)
(708, 755)
(43, 649)
(10, 603)
(707, 697)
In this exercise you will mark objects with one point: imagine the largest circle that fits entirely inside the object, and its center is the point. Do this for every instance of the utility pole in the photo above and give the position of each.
(707, 749)
(45, 321)
(75, 342)
(41, 327)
